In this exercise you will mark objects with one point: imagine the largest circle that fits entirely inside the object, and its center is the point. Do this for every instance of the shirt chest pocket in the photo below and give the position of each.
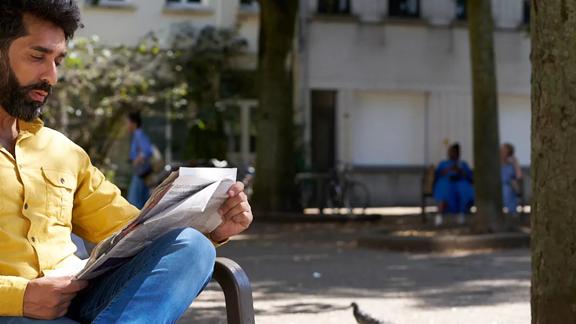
(60, 187)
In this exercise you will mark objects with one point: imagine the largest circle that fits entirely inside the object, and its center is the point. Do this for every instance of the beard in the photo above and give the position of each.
(16, 101)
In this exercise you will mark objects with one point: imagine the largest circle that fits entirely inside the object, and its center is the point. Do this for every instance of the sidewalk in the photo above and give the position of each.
(310, 273)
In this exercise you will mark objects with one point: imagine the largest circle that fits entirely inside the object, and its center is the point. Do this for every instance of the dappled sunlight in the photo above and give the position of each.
(302, 269)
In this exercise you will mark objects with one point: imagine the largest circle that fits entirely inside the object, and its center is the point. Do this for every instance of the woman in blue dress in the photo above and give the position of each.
(453, 188)
(511, 175)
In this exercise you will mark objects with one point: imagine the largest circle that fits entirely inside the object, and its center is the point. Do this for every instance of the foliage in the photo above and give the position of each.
(96, 87)
(202, 60)
(98, 84)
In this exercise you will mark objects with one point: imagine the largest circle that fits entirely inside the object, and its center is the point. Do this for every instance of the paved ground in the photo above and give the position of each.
(310, 273)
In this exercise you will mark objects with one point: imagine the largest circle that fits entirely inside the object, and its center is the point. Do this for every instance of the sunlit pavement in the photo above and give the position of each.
(310, 273)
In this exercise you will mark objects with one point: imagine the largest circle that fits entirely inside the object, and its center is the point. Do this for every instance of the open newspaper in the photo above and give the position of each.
(189, 197)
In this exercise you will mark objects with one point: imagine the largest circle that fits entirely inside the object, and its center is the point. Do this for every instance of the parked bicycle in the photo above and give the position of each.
(336, 190)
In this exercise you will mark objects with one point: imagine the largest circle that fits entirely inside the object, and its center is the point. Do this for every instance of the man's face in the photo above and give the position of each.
(33, 61)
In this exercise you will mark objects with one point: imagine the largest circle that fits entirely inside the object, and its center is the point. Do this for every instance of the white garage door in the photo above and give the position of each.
(388, 129)
(515, 121)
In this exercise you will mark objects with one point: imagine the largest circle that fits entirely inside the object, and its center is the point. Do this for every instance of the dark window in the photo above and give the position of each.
(323, 130)
(404, 8)
(526, 12)
(185, 1)
(334, 7)
(461, 10)
(105, 2)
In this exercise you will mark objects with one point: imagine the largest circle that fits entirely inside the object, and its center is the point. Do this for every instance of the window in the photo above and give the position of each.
(323, 113)
(404, 8)
(185, 3)
(334, 7)
(526, 8)
(249, 5)
(118, 3)
(461, 10)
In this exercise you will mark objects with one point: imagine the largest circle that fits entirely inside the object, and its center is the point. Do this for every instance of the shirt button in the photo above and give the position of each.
(62, 180)
(33, 239)
(26, 206)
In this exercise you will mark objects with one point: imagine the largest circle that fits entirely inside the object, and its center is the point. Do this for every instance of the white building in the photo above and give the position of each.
(385, 85)
(394, 79)
(126, 21)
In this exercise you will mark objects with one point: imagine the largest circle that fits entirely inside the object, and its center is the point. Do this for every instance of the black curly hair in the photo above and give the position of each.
(62, 13)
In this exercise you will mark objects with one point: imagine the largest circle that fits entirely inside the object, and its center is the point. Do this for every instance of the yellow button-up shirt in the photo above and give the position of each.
(48, 190)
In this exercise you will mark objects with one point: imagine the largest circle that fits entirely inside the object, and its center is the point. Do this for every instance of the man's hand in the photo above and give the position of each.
(49, 298)
(236, 214)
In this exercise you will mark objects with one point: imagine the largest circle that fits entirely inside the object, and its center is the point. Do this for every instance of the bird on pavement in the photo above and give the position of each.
(363, 318)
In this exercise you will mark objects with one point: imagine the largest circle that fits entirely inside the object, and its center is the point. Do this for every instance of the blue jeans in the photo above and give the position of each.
(155, 286)
(138, 192)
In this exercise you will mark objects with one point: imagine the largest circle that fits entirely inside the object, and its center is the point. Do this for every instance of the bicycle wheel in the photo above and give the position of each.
(356, 196)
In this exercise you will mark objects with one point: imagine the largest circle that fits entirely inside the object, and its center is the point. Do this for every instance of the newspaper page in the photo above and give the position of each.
(189, 197)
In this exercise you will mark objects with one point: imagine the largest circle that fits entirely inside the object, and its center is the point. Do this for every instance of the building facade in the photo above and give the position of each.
(384, 86)
(393, 79)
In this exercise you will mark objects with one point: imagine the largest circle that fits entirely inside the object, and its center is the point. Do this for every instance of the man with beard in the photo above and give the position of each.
(48, 189)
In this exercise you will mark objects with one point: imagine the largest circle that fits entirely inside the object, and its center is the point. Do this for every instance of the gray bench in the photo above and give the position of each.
(237, 291)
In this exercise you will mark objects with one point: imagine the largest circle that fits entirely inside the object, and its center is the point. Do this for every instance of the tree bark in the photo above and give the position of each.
(275, 165)
(487, 182)
(553, 32)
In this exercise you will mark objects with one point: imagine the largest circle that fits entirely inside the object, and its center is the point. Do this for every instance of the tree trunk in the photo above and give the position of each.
(274, 181)
(487, 182)
(553, 32)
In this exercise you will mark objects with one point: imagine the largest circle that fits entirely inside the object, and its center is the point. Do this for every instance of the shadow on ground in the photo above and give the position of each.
(305, 261)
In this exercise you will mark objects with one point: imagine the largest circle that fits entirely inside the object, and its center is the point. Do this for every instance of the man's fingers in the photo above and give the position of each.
(65, 302)
(229, 204)
(241, 209)
(67, 298)
(233, 202)
(244, 218)
(75, 286)
(242, 206)
(63, 309)
(236, 188)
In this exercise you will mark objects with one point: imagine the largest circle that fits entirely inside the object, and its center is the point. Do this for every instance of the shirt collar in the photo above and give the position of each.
(30, 127)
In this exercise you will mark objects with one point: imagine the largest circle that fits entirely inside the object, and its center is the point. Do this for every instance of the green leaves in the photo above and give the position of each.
(98, 84)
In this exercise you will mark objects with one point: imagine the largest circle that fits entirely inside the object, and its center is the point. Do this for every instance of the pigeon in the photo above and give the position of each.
(363, 318)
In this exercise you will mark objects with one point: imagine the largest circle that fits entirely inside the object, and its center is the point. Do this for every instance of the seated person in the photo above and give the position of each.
(511, 175)
(50, 189)
(453, 186)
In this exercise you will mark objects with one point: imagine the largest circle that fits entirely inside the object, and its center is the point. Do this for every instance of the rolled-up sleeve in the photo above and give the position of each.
(12, 291)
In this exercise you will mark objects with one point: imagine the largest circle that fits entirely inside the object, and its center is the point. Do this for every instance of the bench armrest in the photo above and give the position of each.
(237, 291)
